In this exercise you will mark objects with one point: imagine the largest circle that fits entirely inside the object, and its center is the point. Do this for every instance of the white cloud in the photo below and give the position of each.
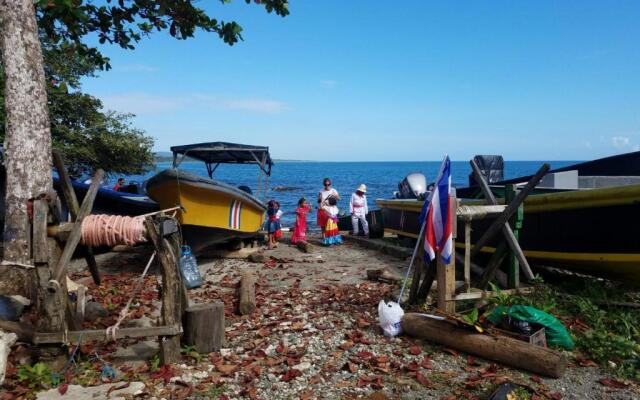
(143, 103)
(328, 83)
(136, 68)
(620, 142)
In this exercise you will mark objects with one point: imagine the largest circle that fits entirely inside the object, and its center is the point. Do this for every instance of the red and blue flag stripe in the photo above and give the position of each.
(436, 214)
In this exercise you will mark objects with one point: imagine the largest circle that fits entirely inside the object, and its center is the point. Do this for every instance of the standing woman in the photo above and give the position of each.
(326, 192)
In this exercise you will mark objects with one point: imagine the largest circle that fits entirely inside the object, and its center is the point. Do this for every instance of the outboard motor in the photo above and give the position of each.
(413, 186)
(491, 167)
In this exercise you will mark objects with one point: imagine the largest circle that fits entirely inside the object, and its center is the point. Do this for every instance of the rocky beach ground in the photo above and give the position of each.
(313, 335)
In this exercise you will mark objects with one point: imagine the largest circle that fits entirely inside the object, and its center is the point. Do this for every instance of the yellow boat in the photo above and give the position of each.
(213, 212)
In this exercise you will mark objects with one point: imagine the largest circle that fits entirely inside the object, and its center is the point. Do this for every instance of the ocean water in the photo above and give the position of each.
(304, 179)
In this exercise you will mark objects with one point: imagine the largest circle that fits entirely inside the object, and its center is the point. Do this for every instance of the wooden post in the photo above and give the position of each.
(204, 327)
(427, 282)
(492, 266)
(49, 303)
(446, 273)
(171, 302)
(500, 277)
(74, 236)
(174, 241)
(503, 349)
(417, 274)
(446, 277)
(247, 303)
(516, 224)
(467, 255)
(74, 210)
(500, 222)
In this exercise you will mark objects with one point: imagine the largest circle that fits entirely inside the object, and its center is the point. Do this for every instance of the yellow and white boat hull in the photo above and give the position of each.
(213, 212)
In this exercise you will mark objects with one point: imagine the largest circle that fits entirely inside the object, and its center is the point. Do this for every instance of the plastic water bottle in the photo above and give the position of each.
(189, 269)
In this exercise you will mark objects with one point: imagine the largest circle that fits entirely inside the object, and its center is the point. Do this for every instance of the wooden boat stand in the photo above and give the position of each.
(507, 219)
(51, 251)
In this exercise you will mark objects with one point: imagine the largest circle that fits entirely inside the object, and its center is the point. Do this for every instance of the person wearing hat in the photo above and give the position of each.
(359, 209)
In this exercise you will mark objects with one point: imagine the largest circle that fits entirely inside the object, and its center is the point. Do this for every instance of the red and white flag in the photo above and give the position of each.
(436, 214)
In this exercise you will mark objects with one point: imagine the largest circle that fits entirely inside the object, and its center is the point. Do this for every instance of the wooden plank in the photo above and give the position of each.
(492, 266)
(485, 294)
(74, 236)
(473, 213)
(89, 335)
(516, 224)
(427, 282)
(504, 217)
(39, 248)
(65, 182)
(74, 209)
(500, 277)
(418, 266)
(171, 302)
(506, 350)
(467, 255)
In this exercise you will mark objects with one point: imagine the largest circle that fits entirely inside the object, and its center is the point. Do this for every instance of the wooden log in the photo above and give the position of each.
(175, 240)
(25, 332)
(501, 221)
(74, 236)
(88, 335)
(304, 246)
(74, 210)
(204, 327)
(171, 301)
(382, 274)
(247, 303)
(512, 352)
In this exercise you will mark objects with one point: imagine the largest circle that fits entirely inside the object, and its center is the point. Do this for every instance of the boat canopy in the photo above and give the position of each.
(215, 153)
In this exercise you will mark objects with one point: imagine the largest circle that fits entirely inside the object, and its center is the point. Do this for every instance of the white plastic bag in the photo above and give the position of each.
(390, 314)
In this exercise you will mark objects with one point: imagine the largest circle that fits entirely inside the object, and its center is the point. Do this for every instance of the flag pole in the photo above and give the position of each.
(413, 258)
(424, 222)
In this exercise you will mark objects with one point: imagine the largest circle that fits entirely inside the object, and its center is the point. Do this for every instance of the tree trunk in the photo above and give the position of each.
(28, 137)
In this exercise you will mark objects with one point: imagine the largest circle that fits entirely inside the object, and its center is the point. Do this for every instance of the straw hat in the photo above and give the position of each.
(362, 188)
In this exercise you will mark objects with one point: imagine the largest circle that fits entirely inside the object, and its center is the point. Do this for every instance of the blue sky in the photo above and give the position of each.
(408, 80)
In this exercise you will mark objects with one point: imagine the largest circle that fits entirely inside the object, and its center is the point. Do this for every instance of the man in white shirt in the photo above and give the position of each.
(359, 209)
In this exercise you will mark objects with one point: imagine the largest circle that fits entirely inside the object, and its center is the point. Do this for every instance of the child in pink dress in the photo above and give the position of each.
(300, 227)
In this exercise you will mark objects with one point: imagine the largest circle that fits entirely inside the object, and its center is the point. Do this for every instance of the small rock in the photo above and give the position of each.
(94, 310)
(225, 352)
(142, 322)
(303, 366)
(257, 257)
